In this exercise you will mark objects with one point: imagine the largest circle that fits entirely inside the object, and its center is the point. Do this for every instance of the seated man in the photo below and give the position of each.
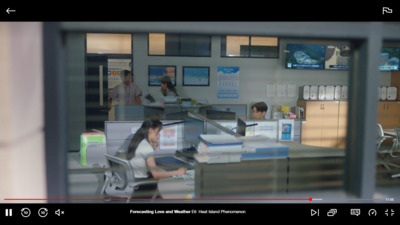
(259, 110)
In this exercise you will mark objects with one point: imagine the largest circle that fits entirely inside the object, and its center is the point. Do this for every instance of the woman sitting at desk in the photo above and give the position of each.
(140, 152)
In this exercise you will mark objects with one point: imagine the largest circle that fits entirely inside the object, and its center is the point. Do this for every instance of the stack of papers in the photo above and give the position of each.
(264, 149)
(228, 149)
(219, 148)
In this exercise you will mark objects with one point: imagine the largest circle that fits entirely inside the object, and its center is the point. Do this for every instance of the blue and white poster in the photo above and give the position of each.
(286, 130)
(228, 82)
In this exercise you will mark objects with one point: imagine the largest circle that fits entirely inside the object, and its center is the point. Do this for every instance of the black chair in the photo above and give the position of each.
(120, 181)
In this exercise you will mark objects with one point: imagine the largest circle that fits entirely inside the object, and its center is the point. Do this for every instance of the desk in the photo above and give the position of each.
(306, 168)
(173, 188)
(390, 132)
(74, 166)
(84, 182)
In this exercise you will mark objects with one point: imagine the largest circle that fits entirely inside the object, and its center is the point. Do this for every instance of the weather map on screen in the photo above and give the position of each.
(301, 56)
(337, 57)
(389, 59)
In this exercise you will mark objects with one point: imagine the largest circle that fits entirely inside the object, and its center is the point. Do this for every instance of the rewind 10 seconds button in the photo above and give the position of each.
(25, 212)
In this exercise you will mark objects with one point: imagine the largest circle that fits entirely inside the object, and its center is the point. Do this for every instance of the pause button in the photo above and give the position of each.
(8, 212)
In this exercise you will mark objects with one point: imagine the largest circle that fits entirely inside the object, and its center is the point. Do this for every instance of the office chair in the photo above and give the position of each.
(384, 150)
(120, 180)
(380, 139)
(396, 146)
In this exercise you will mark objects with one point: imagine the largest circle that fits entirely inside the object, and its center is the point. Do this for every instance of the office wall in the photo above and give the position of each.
(75, 70)
(22, 159)
(254, 73)
(254, 76)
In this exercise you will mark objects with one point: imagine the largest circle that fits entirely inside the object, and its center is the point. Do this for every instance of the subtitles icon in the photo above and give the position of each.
(355, 212)
(386, 10)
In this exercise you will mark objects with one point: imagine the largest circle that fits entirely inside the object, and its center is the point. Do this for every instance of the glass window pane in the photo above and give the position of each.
(264, 41)
(195, 45)
(172, 44)
(234, 45)
(156, 44)
(109, 43)
(179, 44)
(264, 47)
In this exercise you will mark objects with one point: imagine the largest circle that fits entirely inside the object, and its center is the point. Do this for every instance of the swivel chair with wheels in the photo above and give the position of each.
(120, 181)
(388, 149)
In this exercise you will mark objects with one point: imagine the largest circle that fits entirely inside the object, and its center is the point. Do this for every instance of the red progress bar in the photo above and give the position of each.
(140, 199)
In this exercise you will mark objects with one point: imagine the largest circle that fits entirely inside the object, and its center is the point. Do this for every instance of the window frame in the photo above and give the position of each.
(223, 48)
(180, 47)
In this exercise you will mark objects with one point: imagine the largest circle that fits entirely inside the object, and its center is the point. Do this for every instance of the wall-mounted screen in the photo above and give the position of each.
(389, 59)
(157, 72)
(196, 76)
(337, 57)
(301, 56)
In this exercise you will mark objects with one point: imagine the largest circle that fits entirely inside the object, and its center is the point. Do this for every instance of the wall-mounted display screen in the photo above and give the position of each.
(389, 59)
(301, 56)
(158, 72)
(196, 76)
(337, 57)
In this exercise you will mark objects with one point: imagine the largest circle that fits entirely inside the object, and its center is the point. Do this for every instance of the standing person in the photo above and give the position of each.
(126, 93)
(167, 88)
(259, 110)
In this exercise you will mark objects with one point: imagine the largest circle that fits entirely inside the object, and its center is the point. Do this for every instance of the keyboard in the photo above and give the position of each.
(172, 163)
(187, 153)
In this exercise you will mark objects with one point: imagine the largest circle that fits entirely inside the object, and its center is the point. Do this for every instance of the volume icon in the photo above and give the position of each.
(8, 212)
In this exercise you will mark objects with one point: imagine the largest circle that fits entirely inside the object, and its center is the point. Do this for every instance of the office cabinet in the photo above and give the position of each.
(342, 126)
(245, 177)
(315, 173)
(389, 114)
(324, 123)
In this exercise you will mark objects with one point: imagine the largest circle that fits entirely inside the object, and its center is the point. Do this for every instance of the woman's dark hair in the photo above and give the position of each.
(167, 80)
(141, 134)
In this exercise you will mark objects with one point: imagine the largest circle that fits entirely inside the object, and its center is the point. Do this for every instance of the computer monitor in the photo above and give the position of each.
(129, 112)
(192, 128)
(176, 115)
(220, 115)
(241, 127)
(238, 109)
